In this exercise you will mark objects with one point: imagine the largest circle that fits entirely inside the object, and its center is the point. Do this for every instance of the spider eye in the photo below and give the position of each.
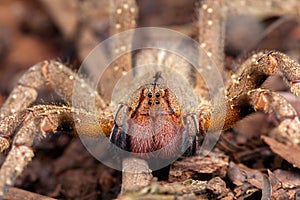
(157, 102)
(150, 95)
(157, 95)
(150, 103)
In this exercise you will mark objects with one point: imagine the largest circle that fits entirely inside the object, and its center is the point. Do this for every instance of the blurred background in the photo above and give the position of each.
(35, 30)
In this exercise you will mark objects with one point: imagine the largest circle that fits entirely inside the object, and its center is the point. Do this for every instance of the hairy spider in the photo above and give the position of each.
(153, 117)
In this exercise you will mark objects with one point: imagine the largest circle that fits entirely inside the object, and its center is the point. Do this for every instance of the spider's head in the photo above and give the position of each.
(154, 100)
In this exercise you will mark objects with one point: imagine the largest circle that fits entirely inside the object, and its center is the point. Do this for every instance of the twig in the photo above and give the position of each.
(18, 194)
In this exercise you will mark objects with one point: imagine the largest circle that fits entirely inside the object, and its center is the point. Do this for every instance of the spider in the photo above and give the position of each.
(153, 121)
(153, 117)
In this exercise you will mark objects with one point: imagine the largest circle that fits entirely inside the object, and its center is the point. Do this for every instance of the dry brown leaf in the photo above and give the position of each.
(289, 153)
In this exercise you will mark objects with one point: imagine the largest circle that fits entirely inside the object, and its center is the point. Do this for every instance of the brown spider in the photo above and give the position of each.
(154, 119)
(153, 116)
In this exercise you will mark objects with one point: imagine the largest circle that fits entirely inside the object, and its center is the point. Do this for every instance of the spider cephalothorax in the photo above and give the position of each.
(151, 121)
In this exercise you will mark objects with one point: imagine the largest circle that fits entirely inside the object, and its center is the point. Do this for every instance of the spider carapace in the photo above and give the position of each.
(152, 121)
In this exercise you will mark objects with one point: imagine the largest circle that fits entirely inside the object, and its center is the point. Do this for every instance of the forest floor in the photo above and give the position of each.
(32, 31)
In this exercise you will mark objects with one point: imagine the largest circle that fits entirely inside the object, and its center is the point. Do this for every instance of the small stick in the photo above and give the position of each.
(19, 194)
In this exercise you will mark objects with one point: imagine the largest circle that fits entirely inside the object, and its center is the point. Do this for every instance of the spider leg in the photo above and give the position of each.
(122, 18)
(191, 135)
(19, 155)
(7, 125)
(268, 102)
(47, 118)
(38, 121)
(123, 15)
(211, 27)
(243, 87)
(60, 77)
(211, 23)
(119, 132)
(255, 70)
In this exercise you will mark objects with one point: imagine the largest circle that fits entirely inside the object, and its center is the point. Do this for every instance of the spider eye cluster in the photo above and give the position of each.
(151, 95)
